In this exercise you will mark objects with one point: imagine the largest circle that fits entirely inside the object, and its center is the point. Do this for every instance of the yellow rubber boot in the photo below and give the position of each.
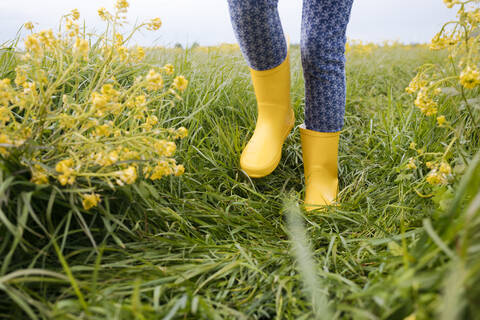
(320, 156)
(275, 119)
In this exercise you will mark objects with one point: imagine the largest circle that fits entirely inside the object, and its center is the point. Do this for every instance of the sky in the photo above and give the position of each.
(208, 23)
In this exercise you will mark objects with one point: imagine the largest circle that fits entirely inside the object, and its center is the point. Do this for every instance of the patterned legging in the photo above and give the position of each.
(257, 27)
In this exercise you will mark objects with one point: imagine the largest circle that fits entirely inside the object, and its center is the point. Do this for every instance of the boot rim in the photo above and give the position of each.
(319, 134)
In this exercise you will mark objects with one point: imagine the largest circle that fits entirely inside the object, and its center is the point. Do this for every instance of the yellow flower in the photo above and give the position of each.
(106, 159)
(411, 164)
(4, 114)
(104, 14)
(445, 168)
(154, 80)
(28, 25)
(161, 169)
(438, 42)
(165, 148)
(154, 24)
(90, 200)
(470, 77)
(170, 150)
(150, 122)
(99, 102)
(425, 103)
(108, 91)
(32, 44)
(139, 54)
(6, 92)
(180, 83)
(103, 130)
(81, 47)
(29, 88)
(413, 145)
(474, 16)
(179, 170)
(182, 132)
(121, 4)
(5, 83)
(118, 39)
(38, 175)
(66, 168)
(128, 175)
(122, 53)
(72, 27)
(430, 164)
(449, 3)
(140, 101)
(169, 69)
(436, 178)
(414, 85)
(441, 120)
(4, 139)
(75, 14)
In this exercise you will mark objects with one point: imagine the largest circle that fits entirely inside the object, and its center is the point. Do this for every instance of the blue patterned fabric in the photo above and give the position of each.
(258, 29)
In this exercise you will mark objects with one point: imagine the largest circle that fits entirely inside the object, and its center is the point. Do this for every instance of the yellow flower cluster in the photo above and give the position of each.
(180, 83)
(460, 78)
(128, 175)
(470, 77)
(75, 14)
(169, 69)
(154, 24)
(450, 3)
(28, 25)
(411, 164)
(65, 167)
(81, 47)
(440, 171)
(415, 84)
(155, 80)
(104, 14)
(439, 174)
(444, 40)
(441, 121)
(103, 127)
(90, 200)
(425, 102)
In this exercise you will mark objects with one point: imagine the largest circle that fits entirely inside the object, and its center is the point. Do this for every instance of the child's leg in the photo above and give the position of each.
(257, 27)
(324, 23)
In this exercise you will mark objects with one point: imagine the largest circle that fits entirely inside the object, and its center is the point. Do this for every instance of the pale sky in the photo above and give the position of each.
(208, 23)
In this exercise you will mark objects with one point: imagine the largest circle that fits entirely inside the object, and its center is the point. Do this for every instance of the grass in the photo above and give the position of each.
(215, 244)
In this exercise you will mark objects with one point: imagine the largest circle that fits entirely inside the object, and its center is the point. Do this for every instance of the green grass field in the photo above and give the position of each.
(215, 244)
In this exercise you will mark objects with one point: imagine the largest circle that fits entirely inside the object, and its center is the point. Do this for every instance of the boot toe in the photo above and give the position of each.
(258, 165)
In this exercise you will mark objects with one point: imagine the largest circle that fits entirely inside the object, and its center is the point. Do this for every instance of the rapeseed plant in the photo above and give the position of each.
(459, 80)
(69, 120)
